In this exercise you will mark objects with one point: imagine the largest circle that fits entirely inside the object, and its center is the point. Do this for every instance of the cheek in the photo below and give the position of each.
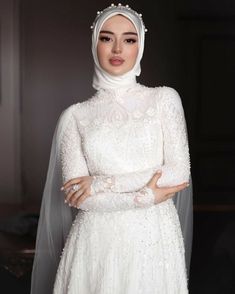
(99, 51)
(133, 52)
(102, 51)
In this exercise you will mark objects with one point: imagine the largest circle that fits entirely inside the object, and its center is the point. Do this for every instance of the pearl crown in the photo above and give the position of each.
(124, 7)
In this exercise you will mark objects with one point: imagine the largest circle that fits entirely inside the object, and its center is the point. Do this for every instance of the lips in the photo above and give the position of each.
(116, 61)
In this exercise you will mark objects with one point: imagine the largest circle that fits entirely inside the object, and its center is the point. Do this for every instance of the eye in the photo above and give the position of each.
(105, 39)
(130, 40)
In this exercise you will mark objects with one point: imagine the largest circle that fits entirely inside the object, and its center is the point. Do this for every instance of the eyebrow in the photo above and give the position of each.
(126, 33)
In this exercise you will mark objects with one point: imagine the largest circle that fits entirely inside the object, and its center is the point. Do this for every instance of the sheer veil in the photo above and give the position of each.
(54, 222)
(183, 201)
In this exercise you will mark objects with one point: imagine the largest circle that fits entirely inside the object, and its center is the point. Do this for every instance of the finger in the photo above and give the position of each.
(70, 195)
(76, 196)
(81, 199)
(156, 177)
(71, 182)
(72, 201)
(71, 190)
(177, 188)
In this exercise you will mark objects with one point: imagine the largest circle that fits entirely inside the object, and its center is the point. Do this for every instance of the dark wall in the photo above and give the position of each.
(208, 68)
(56, 72)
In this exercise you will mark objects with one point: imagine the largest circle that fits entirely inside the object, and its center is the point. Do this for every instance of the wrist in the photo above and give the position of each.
(102, 184)
(145, 197)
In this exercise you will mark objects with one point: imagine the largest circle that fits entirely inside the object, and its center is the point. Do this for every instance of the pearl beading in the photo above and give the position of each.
(117, 241)
(124, 8)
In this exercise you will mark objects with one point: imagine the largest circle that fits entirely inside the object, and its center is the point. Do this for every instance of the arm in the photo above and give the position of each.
(176, 167)
(128, 182)
(74, 165)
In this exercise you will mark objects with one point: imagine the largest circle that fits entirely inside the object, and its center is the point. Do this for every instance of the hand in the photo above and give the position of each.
(76, 197)
(164, 193)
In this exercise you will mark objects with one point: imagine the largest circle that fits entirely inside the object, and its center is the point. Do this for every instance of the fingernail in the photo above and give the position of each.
(159, 171)
(62, 189)
(65, 201)
(187, 184)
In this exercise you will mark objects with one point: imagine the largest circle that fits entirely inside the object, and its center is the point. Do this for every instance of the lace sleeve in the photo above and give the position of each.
(73, 162)
(176, 167)
(128, 182)
(74, 165)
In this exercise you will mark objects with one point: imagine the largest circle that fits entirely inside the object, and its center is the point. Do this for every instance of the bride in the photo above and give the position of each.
(120, 157)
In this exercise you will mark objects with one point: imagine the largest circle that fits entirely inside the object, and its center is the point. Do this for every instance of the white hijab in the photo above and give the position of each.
(101, 79)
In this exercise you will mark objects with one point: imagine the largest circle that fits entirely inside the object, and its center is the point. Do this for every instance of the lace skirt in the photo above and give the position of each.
(138, 251)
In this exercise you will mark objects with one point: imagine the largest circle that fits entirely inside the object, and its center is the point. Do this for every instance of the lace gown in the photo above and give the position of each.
(121, 242)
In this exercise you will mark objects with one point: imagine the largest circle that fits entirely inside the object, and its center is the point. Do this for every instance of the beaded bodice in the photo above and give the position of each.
(120, 133)
(124, 132)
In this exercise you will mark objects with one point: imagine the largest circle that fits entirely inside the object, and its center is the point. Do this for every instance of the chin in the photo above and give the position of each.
(117, 72)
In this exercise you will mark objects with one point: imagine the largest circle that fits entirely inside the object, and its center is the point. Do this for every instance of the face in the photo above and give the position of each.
(117, 47)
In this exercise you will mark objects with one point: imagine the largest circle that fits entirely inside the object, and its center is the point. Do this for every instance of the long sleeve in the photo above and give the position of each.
(176, 166)
(74, 165)
(128, 182)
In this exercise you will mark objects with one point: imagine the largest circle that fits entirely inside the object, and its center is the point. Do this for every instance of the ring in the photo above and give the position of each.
(75, 187)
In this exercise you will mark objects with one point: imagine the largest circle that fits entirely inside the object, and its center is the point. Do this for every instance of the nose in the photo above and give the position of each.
(117, 49)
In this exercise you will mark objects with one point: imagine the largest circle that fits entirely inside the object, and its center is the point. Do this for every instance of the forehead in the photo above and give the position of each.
(118, 23)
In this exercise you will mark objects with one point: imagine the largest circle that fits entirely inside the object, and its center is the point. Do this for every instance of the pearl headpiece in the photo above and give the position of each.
(123, 8)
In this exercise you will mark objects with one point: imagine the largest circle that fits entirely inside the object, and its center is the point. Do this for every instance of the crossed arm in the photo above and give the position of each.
(131, 190)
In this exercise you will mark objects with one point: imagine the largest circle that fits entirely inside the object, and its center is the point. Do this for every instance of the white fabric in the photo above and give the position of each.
(119, 242)
(103, 80)
(56, 218)
(116, 246)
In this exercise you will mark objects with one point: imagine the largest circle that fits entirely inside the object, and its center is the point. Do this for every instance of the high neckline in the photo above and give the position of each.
(118, 92)
(120, 95)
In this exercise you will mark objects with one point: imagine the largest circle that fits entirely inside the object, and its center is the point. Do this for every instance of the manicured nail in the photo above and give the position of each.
(62, 189)
(65, 201)
(187, 184)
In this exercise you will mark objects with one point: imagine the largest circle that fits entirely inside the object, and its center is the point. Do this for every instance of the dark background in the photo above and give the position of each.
(46, 65)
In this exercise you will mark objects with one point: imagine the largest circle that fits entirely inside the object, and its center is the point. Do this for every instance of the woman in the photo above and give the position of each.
(121, 155)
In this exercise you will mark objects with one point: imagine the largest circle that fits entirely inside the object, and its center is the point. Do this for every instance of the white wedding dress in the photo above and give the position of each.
(121, 242)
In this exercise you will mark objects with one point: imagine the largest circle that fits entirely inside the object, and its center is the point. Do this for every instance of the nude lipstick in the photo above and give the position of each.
(116, 61)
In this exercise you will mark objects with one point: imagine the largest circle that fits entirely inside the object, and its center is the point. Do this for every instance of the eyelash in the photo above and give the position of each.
(107, 39)
(131, 41)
